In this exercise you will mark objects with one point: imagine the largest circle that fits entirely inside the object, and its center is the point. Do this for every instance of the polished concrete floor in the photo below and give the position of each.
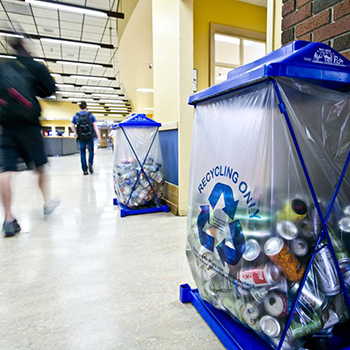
(83, 278)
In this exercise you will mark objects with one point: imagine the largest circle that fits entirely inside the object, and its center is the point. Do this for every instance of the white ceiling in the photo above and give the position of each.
(37, 20)
(262, 3)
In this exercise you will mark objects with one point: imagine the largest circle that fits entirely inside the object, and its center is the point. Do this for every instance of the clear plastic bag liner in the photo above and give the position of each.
(137, 186)
(251, 217)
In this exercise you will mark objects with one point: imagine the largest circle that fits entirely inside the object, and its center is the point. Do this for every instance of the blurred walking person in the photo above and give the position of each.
(85, 128)
(21, 80)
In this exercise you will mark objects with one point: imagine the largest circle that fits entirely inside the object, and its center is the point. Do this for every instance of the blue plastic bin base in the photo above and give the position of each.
(235, 336)
(125, 211)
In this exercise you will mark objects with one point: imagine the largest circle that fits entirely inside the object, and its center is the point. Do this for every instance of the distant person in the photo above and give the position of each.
(85, 128)
(21, 80)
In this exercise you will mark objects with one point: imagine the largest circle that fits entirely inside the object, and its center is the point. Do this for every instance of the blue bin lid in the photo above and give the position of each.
(315, 62)
(138, 120)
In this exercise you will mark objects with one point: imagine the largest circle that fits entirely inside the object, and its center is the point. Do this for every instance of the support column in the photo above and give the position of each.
(172, 77)
(53, 130)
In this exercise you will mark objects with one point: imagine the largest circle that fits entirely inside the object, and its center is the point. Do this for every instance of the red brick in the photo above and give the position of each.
(346, 54)
(333, 29)
(302, 2)
(288, 7)
(313, 23)
(306, 37)
(296, 16)
(341, 9)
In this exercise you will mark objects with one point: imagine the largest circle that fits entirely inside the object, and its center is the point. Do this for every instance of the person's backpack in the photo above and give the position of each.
(17, 99)
(84, 127)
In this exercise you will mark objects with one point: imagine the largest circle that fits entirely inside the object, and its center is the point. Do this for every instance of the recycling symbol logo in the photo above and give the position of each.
(231, 248)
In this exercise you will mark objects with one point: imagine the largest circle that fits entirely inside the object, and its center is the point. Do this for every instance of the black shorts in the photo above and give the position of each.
(22, 143)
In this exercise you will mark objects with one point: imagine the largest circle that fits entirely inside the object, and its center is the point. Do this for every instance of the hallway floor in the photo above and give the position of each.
(83, 278)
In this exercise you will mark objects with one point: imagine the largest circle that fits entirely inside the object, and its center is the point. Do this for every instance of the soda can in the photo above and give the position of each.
(344, 224)
(276, 304)
(270, 326)
(280, 255)
(287, 230)
(344, 265)
(330, 318)
(250, 312)
(346, 210)
(316, 300)
(239, 303)
(308, 231)
(259, 294)
(298, 330)
(255, 325)
(299, 247)
(294, 210)
(252, 250)
(316, 222)
(340, 307)
(264, 275)
(328, 280)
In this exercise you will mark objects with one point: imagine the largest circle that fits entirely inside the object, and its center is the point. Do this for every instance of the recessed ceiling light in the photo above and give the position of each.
(11, 35)
(79, 99)
(74, 43)
(87, 77)
(80, 64)
(112, 105)
(39, 60)
(65, 85)
(67, 8)
(106, 95)
(55, 75)
(144, 90)
(8, 56)
(112, 101)
(70, 93)
(97, 87)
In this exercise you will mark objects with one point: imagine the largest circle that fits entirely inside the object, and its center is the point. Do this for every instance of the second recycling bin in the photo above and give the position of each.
(268, 235)
(137, 173)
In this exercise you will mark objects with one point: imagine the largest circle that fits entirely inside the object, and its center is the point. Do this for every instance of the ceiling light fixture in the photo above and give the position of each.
(64, 85)
(97, 87)
(106, 95)
(112, 101)
(11, 35)
(70, 93)
(55, 75)
(80, 64)
(8, 56)
(68, 42)
(87, 77)
(144, 90)
(79, 99)
(112, 105)
(58, 6)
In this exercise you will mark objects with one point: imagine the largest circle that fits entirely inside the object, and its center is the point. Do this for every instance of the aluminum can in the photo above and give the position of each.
(330, 318)
(280, 255)
(287, 230)
(346, 210)
(307, 230)
(344, 224)
(344, 265)
(328, 280)
(276, 304)
(297, 330)
(259, 294)
(316, 300)
(270, 326)
(338, 244)
(252, 250)
(239, 303)
(264, 275)
(316, 222)
(250, 311)
(299, 247)
(294, 210)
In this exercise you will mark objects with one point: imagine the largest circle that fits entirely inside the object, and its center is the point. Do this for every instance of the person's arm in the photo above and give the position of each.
(96, 130)
(74, 129)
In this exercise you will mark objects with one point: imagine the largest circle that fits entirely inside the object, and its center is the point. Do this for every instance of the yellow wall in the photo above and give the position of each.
(278, 25)
(57, 110)
(227, 12)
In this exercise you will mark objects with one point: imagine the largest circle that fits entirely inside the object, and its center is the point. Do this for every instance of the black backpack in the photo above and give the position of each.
(17, 98)
(84, 127)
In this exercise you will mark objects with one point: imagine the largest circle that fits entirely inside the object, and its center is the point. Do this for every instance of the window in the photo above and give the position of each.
(232, 47)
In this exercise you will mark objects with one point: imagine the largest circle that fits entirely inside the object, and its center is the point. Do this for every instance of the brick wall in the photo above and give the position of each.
(325, 21)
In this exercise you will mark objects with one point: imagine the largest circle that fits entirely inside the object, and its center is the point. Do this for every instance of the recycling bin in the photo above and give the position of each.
(268, 233)
(137, 166)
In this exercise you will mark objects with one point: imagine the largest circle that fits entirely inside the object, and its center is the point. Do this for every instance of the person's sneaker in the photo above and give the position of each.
(48, 209)
(86, 173)
(10, 228)
(91, 169)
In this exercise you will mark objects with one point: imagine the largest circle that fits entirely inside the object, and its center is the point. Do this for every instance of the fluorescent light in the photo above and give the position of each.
(11, 35)
(55, 75)
(11, 57)
(94, 104)
(64, 85)
(74, 43)
(149, 109)
(105, 95)
(144, 90)
(87, 77)
(39, 60)
(227, 39)
(70, 93)
(97, 107)
(111, 105)
(112, 101)
(67, 8)
(97, 87)
(80, 64)
(79, 99)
